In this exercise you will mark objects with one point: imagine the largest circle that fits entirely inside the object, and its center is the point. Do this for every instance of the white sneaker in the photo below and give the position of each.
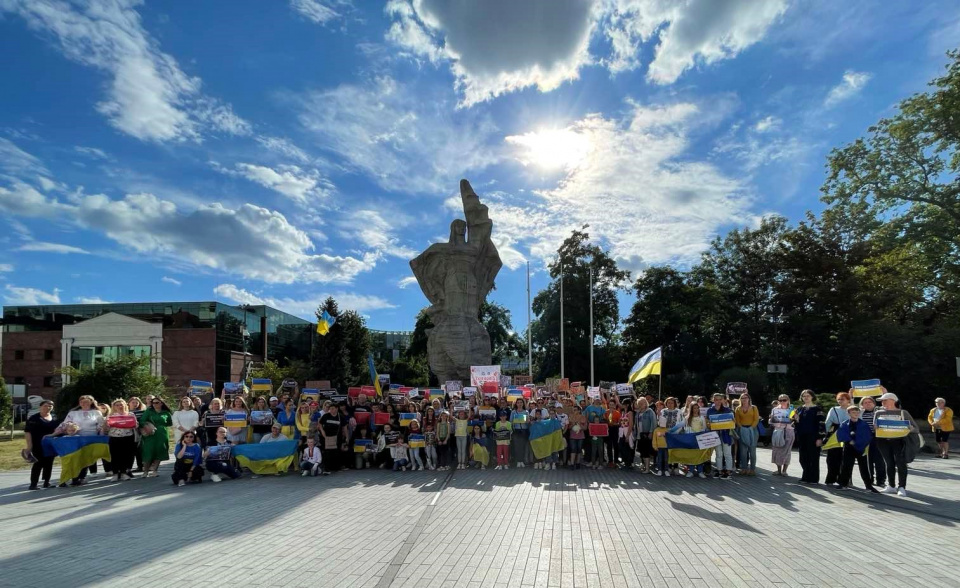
(703, 475)
(889, 490)
(483, 467)
(506, 467)
(498, 468)
(181, 483)
(689, 474)
(902, 492)
(304, 473)
(520, 464)
(553, 466)
(431, 468)
(216, 477)
(115, 478)
(666, 473)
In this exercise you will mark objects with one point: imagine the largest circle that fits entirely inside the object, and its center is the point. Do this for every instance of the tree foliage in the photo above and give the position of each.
(341, 355)
(6, 406)
(106, 381)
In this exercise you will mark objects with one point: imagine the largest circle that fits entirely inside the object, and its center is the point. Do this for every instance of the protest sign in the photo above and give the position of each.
(892, 428)
(469, 391)
(406, 417)
(289, 384)
(199, 388)
(233, 388)
(736, 388)
(563, 385)
(261, 417)
(780, 416)
(354, 391)
(721, 421)
(488, 412)
(318, 384)
(598, 429)
(462, 406)
(416, 441)
(310, 395)
(338, 397)
(624, 389)
(513, 396)
(505, 381)
(593, 392)
(863, 388)
(397, 398)
(213, 419)
(368, 391)
(235, 418)
(490, 387)
(708, 440)
(519, 419)
(122, 421)
(484, 373)
(384, 380)
(381, 418)
(391, 437)
(362, 418)
(453, 389)
(219, 452)
(261, 385)
(362, 445)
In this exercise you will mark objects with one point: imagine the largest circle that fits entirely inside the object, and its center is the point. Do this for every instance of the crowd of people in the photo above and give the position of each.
(400, 434)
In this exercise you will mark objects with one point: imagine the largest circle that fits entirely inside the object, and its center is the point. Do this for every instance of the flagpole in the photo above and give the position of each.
(529, 330)
(561, 319)
(591, 326)
(660, 376)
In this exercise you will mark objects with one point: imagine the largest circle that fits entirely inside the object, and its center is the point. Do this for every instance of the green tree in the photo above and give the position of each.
(329, 357)
(6, 406)
(356, 337)
(577, 257)
(108, 380)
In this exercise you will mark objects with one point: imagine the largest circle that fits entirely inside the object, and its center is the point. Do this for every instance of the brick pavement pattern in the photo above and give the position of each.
(485, 529)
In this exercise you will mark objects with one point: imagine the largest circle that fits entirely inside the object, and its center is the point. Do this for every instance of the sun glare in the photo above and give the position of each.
(552, 149)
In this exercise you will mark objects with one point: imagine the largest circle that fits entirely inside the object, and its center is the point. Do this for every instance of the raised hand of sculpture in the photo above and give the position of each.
(456, 277)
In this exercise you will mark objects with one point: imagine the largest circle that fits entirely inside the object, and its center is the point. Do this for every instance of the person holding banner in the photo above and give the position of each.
(941, 421)
(668, 418)
(156, 441)
(809, 438)
(695, 424)
(520, 440)
(184, 419)
(331, 434)
(238, 434)
(783, 435)
(305, 422)
(261, 429)
(121, 427)
(836, 416)
(855, 435)
(724, 452)
(878, 469)
(578, 432)
(287, 417)
(38, 426)
(89, 421)
(892, 425)
(212, 421)
(218, 460)
(747, 417)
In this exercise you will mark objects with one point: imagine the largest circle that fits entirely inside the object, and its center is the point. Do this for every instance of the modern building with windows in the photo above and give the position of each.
(186, 340)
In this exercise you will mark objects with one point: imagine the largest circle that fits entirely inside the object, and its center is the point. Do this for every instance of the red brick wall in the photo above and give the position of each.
(188, 354)
(33, 368)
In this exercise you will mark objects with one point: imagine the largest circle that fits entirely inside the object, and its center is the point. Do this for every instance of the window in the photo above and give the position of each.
(18, 380)
(48, 354)
(18, 354)
(48, 382)
(86, 357)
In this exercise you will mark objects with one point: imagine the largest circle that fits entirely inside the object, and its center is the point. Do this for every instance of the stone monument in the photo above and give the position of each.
(456, 277)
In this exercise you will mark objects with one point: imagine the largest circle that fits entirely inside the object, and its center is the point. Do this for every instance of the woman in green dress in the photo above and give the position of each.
(156, 441)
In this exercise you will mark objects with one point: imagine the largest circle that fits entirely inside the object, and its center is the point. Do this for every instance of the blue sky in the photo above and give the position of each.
(280, 152)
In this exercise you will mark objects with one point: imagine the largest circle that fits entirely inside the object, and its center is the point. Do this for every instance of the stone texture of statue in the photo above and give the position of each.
(456, 277)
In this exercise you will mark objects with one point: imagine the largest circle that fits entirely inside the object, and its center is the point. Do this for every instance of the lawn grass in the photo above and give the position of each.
(10, 455)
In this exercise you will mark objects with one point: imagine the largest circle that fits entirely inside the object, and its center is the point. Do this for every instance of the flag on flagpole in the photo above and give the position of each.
(647, 365)
(326, 321)
(373, 375)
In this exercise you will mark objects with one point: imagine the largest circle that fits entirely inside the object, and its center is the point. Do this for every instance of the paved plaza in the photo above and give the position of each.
(483, 529)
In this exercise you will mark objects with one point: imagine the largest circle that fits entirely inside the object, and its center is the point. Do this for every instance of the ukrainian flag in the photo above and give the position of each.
(266, 458)
(683, 448)
(480, 454)
(647, 365)
(261, 385)
(373, 375)
(326, 321)
(77, 452)
(546, 438)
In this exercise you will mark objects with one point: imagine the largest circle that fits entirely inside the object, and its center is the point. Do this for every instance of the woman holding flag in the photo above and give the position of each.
(88, 419)
(39, 426)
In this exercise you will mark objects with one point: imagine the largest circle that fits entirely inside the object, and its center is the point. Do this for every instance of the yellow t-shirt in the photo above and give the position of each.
(747, 419)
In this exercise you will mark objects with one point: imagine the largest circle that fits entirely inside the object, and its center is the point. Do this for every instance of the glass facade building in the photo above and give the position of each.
(238, 328)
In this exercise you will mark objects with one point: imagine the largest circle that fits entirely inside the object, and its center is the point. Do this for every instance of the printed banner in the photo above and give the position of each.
(863, 388)
(289, 384)
(416, 441)
(362, 445)
(563, 385)
(233, 388)
(488, 413)
(235, 418)
(261, 385)
(219, 452)
(689, 448)
(721, 421)
(122, 421)
(213, 419)
(708, 440)
(310, 395)
(369, 391)
(406, 417)
(261, 417)
(355, 391)
(384, 380)
(624, 390)
(519, 419)
(484, 373)
(490, 387)
(593, 392)
(736, 388)
(199, 387)
(514, 396)
(381, 418)
(469, 391)
(505, 381)
(892, 429)
(598, 429)
(362, 418)
(780, 416)
(453, 388)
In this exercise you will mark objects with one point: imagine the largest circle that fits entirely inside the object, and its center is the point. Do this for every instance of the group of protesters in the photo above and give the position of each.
(445, 433)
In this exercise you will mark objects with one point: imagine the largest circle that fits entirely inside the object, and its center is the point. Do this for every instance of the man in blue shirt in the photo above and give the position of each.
(724, 463)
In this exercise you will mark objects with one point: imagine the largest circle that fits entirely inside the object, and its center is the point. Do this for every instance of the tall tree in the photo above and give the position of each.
(329, 357)
(577, 256)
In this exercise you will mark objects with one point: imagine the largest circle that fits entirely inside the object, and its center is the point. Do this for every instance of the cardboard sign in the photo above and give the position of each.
(354, 391)
(593, 392)
(736, 388)
(199, 388)
(318, 384)
(235, 418)
(624, 390)
(415, 441)
(780, 416)
(891, 428)
(453, 389)
(122, 421)
(362, 445)
(381, 418)
(598, 429)
(708, 440)
(310, 395)
(406, 417)
(368, 391)
(863, 388)
(362, 418)
(469, 391)
(261, 385)
(484, 373)
(219, 452)
(721, 421)
(261, 417)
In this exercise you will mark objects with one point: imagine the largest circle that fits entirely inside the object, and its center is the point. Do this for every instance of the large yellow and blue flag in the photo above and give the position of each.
(266, 458)
(324, 323)
(546, 437)
(684, 448)
(77, 452)
(480, 454)
(647, 365)
(373, 375)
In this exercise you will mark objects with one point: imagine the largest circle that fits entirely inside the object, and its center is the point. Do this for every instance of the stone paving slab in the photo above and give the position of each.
(525, 528)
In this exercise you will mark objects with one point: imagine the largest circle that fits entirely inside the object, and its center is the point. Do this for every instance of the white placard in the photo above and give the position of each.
(484, 373)
(708, 440)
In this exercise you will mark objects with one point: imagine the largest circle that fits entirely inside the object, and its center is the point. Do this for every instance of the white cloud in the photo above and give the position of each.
(638, 189)
(170, 280)
(6, 267)
(497, 46)
(41, 246)
(407, 281)
(849, 87)
(770, 123)
(284, 147)
(148, 96)
(300, 185)
(91, 300)
(304, 307)
(92, 152)
(317, 11)
(404, 143)
(15, 162)
(30, 296)
(369, 228)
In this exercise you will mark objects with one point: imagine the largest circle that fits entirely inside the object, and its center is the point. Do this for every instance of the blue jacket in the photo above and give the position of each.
(863, 435)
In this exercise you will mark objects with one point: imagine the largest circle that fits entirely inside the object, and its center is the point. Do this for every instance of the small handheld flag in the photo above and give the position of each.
(647, 365)
(324, 323)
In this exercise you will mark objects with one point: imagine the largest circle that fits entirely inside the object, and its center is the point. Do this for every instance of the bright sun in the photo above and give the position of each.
(552, 149)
